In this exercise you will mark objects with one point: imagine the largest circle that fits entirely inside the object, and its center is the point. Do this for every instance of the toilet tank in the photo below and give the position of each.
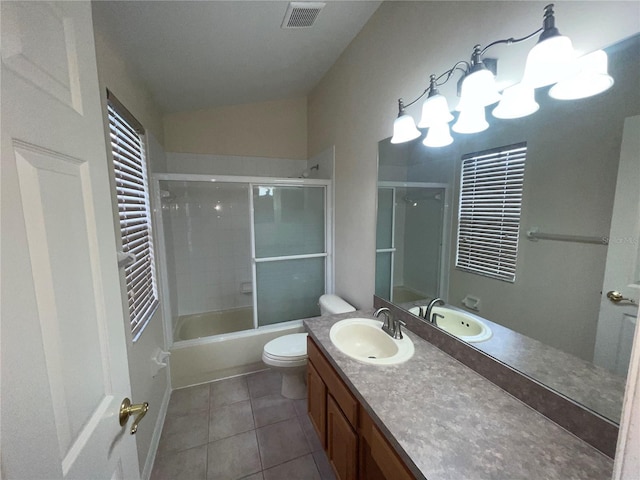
(332, 304)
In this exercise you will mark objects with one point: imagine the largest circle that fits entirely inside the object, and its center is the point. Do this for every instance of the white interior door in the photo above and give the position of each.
(64, 359)
(617, 321)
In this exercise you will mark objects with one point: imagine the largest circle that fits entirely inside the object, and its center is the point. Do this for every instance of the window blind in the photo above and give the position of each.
(489, 211)
(134, 214)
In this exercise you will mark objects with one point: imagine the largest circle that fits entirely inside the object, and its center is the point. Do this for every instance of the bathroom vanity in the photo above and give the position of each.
(431, 417)
(355, 446)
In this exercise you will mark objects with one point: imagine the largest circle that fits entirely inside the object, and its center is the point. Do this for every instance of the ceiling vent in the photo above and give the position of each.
(301, 14)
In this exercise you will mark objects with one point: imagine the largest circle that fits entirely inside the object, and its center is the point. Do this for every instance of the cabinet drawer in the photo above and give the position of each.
(340, 392)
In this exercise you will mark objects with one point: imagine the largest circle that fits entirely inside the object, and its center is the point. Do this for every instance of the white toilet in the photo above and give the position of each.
(288, 353)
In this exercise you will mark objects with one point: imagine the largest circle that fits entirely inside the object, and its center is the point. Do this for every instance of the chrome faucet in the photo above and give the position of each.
(387, 325)
(390, 326)
(435, 317)
(427, 315)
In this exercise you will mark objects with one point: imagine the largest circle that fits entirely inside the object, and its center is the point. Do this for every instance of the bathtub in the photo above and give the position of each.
(204, 359)
(208, 324)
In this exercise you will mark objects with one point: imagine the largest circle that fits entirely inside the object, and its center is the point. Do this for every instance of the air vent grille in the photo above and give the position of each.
(302, 14)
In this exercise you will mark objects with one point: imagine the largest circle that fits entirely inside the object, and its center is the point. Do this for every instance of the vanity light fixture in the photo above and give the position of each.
(478, 84)
(517, 101)
(404, 128)
(590, 78)
(471, 120)
(551, 61)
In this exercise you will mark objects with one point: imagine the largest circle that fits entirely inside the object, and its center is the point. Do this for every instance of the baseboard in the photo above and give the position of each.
(157, 432)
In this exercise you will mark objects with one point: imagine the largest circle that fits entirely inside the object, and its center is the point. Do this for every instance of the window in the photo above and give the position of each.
(132, 191)
(489, 212)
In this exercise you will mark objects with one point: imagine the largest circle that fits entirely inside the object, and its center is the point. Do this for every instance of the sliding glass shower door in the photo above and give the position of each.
(409, 241)
(290, 251)
(240, 252)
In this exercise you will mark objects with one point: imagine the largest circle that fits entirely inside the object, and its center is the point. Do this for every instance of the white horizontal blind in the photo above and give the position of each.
(489, 212)
(134, 214)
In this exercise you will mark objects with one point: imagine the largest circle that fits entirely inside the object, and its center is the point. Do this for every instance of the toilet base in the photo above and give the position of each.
(294, 385)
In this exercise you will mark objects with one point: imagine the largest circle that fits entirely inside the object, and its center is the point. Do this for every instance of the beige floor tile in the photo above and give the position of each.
(272, 409)
(231, 390)
(255, 476)
(191, 464)
(281, 442)
(229, 420)
(189, 400)
(184, 432)
(324, 467)
(310, 433)
(301, 406)
(233, 457)
(264, 383)
(302, 468)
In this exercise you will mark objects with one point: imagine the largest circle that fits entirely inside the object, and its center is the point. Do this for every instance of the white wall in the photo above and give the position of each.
(354, 105)
(275, 129)
(210, 164)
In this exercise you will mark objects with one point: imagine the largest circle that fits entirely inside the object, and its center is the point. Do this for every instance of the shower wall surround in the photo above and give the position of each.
(210, 233)
(234, 165)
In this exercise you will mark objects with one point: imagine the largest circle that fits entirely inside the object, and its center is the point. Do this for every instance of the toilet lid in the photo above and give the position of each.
(294, 345)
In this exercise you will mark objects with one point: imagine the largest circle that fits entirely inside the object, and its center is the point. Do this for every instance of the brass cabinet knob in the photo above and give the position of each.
(127, 410)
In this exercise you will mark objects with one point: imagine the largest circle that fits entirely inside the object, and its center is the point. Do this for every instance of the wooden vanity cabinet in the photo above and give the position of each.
(342, 442)
(356, 449)
(378, 459)
(317, 403)
(333, 411)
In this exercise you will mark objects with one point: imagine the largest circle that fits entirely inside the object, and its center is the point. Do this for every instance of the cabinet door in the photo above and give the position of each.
(317, 403)
(342, 443)
(378, 459)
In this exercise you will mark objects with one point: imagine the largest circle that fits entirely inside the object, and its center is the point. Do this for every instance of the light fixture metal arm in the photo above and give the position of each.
(449, 72)
(434, 80)
(511, 41)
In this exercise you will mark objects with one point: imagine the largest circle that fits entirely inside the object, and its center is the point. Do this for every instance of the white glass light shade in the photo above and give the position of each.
(471, 120)
(404, 129)
(591, 78)
(478, 88)
(549, 61)
(517, 101)
(438, 136)
(435, 110)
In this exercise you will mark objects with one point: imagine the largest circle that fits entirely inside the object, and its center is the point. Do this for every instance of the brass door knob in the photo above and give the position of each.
(617, 297)
(127, 410)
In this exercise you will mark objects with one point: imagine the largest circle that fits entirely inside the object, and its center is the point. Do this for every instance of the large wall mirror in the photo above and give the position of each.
(580, 194)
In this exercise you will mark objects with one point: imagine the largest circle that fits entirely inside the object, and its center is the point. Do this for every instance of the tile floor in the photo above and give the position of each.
(239, 428)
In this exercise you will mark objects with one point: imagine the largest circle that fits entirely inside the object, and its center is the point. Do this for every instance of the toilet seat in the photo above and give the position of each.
(286, 351)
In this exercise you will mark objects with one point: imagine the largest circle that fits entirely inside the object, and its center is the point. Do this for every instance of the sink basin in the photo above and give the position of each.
(363, 339)
(465, 326)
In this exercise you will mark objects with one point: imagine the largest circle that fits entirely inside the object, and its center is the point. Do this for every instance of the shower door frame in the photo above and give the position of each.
(443, 279)
(250, 181)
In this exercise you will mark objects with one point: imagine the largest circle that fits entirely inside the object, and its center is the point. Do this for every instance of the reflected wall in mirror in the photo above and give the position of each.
(554, 322)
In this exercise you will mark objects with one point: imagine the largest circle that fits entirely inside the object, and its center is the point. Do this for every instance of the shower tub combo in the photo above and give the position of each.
(245, 259)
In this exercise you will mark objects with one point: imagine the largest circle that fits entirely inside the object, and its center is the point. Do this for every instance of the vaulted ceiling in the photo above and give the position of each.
(200, 54)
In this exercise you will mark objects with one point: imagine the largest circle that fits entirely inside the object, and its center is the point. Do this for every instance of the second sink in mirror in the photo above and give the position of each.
(463, 325)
